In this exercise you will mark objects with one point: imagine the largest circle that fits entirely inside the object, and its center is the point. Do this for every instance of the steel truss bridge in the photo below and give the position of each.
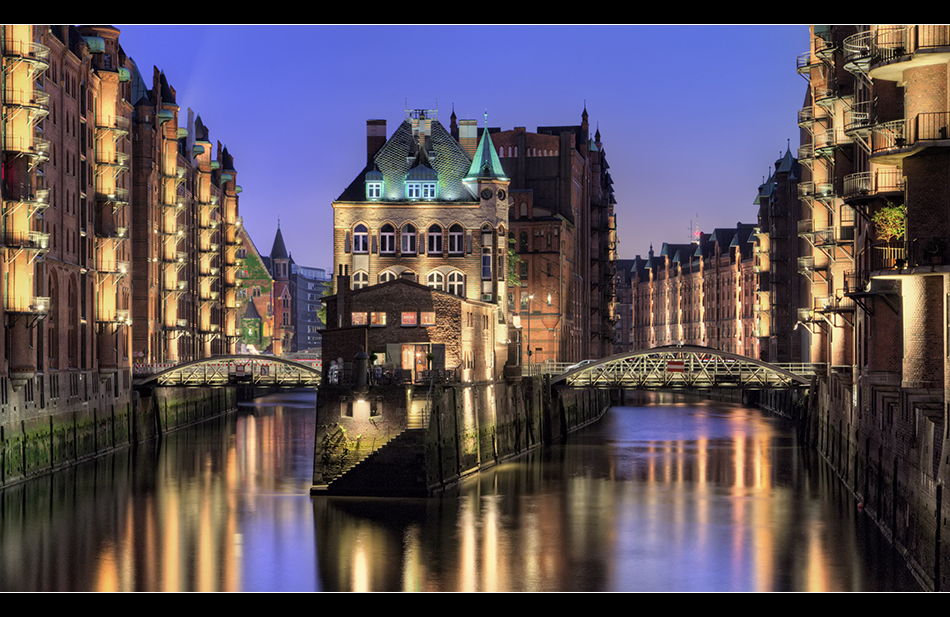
(686, 367)
(236, 369)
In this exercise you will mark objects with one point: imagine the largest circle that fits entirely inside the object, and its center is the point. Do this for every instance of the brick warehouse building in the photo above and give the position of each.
(875, 201)
(564, 231)
(431, 209)
(701, 293)
(119, 226)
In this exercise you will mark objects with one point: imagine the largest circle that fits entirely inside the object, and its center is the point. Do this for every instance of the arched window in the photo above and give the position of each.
(457, 284)
(486, 253)
(456, 240)
(360, 280)
(436, 280)
(408, 239)
(387, 275)
(360, 239)
(387, 240)
(434, 240)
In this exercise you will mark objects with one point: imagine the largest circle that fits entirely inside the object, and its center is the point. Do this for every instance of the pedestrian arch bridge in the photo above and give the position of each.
(234, 369)
(685, 367)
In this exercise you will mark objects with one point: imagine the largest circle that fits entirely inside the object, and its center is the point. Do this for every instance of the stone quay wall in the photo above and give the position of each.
(886, 443)
(64, 432)
(460, 429)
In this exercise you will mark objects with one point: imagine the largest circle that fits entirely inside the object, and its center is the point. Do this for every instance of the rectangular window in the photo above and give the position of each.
(378, 319)
(358, 319)
(409, 318)
(413, 190)
(428, 190)
(428, 318)
(374, 190)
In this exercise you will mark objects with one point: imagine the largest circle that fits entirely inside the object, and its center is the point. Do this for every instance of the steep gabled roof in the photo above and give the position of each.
(279, 250)
(401, 153)
(485, 164)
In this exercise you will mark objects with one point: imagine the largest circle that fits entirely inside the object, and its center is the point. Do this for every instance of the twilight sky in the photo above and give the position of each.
(692, 118)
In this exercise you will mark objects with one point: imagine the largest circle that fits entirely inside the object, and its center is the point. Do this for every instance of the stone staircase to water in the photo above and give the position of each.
(398, 468)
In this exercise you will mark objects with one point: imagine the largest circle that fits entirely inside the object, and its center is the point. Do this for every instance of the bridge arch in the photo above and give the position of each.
(234, 369)
(684, 367)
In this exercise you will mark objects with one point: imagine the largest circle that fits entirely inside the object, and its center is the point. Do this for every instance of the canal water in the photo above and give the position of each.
(662, 495)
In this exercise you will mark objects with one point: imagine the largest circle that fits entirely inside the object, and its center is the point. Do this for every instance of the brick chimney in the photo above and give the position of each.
(468, 136)
(375, 138)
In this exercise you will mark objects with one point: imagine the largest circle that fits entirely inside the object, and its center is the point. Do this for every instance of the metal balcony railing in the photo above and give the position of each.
(867, 183)
(917, 253)
(928, 126)
(29, 240)
(35, 305)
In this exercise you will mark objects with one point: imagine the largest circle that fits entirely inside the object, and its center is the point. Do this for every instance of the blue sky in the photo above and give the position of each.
(692, 118)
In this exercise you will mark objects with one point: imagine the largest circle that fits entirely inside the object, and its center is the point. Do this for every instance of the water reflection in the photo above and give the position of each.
(659, 498)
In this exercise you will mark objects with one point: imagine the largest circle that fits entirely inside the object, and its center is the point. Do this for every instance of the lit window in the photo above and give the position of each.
(408, 239)
(427, 318)
(486, 254)
(413, 190)
(360, 239)
(435, 240)
(428, 190)
(374, 190)
(456, 240)
(360, 280)
(358, 319)
(387, 239)
(436, 280)
(457, 284)
(378, 319)
(410, 318)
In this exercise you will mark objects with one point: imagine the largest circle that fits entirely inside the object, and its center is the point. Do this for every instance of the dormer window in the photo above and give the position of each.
(374, 185)
(421, 182)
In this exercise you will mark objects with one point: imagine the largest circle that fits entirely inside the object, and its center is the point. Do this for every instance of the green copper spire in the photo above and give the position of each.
(485, 163)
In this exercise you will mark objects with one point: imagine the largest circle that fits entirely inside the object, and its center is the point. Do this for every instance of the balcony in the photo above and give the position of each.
(176, 286)
(919, 256)
(117, 126)
(33, 146)
(119, 316)
(116, 160)
(113, 232)
(808, 263)
(872, 183)
(892, 46)
(893, 141)
(35, 305)
(806, 116)
(32, 100)
(115, 196)
(832, 236)
(26, 240)
(857, 120)
(113, 266)
(36, 54)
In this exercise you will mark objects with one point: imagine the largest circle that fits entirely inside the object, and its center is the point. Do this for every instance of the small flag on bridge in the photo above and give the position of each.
(675, 366)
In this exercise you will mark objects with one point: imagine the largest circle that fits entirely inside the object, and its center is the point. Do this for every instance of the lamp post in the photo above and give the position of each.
(530, 298)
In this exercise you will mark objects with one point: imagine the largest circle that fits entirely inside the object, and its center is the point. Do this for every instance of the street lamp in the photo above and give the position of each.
(530, 298)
